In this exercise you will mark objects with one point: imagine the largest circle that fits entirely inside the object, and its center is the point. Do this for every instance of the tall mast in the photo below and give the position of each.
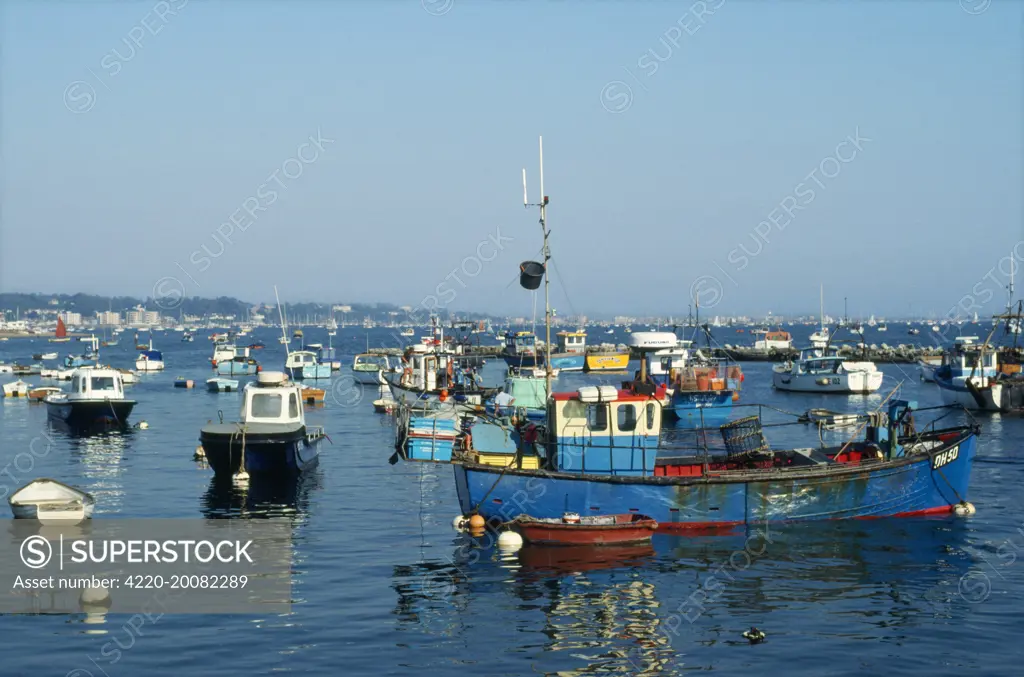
(821, 309)
(1009, 301)
(284, 327)
(547, 257)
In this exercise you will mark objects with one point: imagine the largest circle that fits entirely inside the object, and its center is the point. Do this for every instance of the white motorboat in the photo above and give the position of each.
(128, 376)
(96, 398)
(150, 360)
(828, 373)
(277, 440)
(368, 368)
(50, 501)
(17, 388)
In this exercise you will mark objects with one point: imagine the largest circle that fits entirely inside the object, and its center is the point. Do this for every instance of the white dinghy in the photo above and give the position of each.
(50, 501)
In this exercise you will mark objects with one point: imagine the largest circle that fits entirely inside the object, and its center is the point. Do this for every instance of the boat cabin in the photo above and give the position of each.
(272, 398)
(299, 359)
(816, 352)
(572, 342)
(370, 362)
(426, 370)
(603, 430)
(661, 363)
(772, 340)
(96, 384)
(225, 352)
(522, 392)
(520, 343)
(967, 357)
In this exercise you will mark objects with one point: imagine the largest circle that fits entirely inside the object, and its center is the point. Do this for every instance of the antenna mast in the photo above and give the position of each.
(547, 257)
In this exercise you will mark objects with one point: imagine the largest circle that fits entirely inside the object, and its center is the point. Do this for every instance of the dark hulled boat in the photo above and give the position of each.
(96, 400)
(271, 439)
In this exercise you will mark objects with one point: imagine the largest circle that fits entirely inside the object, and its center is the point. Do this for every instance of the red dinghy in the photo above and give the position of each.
(571, 529)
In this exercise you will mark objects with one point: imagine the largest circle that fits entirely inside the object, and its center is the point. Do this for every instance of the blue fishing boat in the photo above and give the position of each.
(230, 360)
(522, 351)
(699, 390)
(969, 375)
(601, 454)
(303, 364)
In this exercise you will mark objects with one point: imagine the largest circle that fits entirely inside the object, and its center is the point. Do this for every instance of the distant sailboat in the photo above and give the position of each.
(61, 335)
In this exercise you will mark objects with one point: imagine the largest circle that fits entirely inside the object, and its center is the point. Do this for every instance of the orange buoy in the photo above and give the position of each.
(735, 396)
(443, 396)
(476, 522)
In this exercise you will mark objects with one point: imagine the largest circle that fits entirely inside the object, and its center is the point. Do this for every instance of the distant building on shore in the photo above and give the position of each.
(71, 319)
(108, 318)
(140, 317)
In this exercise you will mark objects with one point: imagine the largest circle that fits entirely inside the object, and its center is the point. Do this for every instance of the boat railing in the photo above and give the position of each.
(315, 432)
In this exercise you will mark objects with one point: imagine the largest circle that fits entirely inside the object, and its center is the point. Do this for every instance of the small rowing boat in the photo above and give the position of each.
(51, 501)
(571, 529)
(832, 419)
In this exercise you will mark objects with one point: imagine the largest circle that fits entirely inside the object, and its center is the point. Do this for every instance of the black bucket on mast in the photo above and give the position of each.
(531, 274)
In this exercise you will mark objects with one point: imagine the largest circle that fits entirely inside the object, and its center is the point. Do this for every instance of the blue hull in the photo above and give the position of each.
(562, 361)
(235, 369)
(263, 456)
(524, 361)
(705, 409)
(903, 487)
(319, 371)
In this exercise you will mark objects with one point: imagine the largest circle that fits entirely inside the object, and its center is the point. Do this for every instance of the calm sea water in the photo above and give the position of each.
(383, 585)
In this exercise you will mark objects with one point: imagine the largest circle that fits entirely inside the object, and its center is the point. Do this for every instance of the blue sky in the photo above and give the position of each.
(129, 139)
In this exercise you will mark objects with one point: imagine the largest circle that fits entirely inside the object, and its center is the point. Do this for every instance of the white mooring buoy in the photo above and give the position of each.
(510, 540)
(964, 509)
(460, 523)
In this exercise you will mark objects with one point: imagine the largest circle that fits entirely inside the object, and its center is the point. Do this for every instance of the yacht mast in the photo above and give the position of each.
(821, 309)
(1009, 301)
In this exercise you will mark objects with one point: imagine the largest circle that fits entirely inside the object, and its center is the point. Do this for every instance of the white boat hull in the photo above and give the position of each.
(855, 382)
(149, 365)
(989, 398)
(51, 502)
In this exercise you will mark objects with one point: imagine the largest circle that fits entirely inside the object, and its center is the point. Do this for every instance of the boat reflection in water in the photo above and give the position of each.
(554, 561)
(643, 609)
(259, 497)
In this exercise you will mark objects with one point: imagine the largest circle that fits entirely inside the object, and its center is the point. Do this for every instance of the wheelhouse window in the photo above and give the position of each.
(626, 417)
(650, 416)
(266, 405)
(293, 406)
(103, 383)
(597, 417)
(74, 384)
